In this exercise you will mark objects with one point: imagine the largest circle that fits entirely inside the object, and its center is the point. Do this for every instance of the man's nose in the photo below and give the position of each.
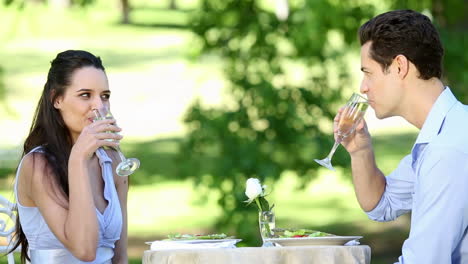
(364, 88)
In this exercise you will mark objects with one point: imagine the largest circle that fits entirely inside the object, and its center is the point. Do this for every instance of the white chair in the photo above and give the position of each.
(7, 208)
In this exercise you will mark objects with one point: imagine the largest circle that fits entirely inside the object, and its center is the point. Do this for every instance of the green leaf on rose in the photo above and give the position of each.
(264, 205)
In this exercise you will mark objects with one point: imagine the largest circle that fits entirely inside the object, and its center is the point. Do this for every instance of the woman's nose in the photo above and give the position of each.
(97, 103)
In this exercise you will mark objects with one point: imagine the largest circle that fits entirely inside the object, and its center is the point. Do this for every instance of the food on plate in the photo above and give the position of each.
(196, 237)
(293, 233)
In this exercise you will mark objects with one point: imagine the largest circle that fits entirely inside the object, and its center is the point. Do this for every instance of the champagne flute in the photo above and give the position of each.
(353, 112)
(126, 166)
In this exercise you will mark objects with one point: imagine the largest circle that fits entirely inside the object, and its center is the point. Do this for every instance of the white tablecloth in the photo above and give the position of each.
(257, 255)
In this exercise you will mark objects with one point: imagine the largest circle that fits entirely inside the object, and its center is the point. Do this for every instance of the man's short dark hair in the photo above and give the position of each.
(408, 33)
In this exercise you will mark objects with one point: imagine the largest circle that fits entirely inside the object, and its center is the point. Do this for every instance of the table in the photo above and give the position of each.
(258, 255)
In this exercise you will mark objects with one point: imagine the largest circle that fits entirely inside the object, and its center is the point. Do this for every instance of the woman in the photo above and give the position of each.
(71, 206)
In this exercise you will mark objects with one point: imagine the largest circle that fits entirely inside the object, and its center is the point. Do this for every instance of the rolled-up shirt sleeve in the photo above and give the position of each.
(397, 198)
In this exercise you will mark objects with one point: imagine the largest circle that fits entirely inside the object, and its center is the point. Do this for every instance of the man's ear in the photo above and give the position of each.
(401, 65)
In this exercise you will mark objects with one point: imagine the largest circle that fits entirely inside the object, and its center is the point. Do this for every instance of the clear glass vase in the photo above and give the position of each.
(266, 221)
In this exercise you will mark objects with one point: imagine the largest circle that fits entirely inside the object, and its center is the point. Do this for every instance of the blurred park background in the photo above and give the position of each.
(212, 92)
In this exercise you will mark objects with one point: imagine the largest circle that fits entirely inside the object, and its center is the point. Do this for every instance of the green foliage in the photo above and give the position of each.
(286, 81)
(264, 205)
(83, 2)
(450, 18)
(452, 22)
(21, 3)
(2, 84)
(8, 2)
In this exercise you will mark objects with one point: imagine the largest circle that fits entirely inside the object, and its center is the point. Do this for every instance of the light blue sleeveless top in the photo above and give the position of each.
(46, 248)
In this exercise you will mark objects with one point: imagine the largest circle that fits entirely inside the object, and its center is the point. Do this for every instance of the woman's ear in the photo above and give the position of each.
(57, 101)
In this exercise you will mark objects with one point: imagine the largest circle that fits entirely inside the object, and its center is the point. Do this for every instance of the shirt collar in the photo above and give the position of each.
(435, 119)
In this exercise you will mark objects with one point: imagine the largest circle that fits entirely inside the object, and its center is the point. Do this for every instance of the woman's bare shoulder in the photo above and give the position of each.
(37, 177)
(34, 167)
(33, 162)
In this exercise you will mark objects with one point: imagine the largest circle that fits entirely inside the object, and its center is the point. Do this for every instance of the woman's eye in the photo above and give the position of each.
(84, 95)
(106, 96)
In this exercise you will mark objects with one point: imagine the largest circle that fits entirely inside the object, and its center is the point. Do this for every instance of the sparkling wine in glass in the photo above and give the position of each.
(352, 113)
(126, 166)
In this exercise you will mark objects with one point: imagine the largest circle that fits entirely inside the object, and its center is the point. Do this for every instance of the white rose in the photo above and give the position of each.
(253, 189)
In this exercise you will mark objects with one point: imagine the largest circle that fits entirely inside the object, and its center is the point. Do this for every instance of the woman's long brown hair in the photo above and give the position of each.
(49, 131)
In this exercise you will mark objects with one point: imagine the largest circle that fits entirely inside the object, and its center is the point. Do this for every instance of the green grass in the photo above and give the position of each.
(169, 207)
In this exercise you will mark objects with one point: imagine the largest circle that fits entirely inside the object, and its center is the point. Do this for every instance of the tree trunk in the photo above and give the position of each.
(173, 4)
(2, 86)
(438, 12)
(125, 5)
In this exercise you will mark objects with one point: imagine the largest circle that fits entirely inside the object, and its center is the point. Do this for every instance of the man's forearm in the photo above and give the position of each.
(369, 181)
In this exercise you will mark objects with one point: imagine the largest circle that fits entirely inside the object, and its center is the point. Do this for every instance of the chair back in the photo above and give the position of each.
(7, 226)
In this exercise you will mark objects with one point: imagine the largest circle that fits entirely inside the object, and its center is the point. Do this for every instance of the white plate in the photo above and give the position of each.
(313, 241)
(198, 241)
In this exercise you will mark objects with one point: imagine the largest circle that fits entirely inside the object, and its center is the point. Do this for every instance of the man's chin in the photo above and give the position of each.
(381, 116)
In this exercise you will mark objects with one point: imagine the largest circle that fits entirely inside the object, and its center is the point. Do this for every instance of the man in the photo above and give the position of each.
(401, 58)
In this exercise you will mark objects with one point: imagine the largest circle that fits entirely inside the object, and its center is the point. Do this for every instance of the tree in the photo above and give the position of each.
(287, 78)
(172, 4)
(125, 7)
(2, 85)
(450, 18)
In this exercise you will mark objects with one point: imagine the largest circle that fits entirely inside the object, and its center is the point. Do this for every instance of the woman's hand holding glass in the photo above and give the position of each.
(126, 166)
(97, 135)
